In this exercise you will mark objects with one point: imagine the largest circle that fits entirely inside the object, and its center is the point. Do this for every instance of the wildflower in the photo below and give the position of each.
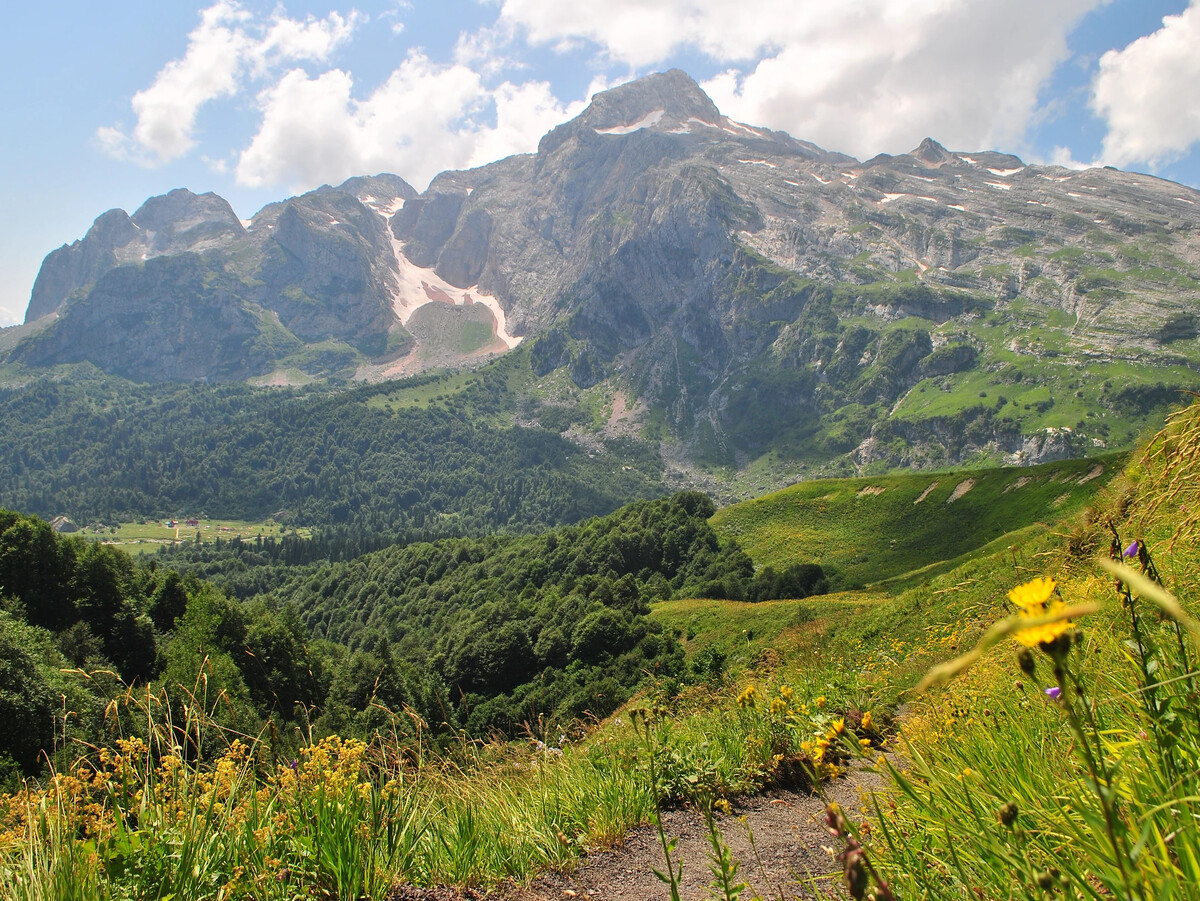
(820, 702)
(1035, 600)
(838, 726)
(867, 720)
(786, 692)
(746, 698)
(1132, 550)
(1053, 692)
(723, 806)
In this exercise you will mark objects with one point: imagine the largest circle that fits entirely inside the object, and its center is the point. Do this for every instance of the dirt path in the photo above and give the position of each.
(787, 859)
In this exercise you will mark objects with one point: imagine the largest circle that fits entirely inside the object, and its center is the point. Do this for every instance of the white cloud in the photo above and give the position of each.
(166, 111)
(313, 39)
(859, 76)
(224, 47)
(523, 114)
(424, 119)
(486, 49)
(642, 34)
(1149, 93)
(1062, 156)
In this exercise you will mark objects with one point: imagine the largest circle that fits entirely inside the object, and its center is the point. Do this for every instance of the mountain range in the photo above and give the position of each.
(739, 293)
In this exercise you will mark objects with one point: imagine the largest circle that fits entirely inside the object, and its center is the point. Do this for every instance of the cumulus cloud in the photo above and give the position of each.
(226, 46)
(1062, 156)
(1149, 93)
(859, 76)
(424, 119)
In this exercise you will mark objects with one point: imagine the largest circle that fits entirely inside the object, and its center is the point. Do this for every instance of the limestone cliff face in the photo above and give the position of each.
(325, 265)
(168, 319)
(713, 264)
(73, 267)
(178, 222)
(183, 290)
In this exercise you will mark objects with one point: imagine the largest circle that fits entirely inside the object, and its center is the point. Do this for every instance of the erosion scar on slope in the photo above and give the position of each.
(960, 489)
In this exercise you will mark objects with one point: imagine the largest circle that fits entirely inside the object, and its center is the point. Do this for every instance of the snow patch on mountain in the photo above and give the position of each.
(417, 286)
(647, 121)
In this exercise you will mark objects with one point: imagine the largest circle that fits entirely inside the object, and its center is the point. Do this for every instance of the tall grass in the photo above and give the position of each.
(1072, 766)
(193, 811)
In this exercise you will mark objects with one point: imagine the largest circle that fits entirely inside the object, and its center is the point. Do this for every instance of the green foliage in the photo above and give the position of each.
(109, 450)
(1061, 768)
(867, 529)
(27, 701)
(516, 628)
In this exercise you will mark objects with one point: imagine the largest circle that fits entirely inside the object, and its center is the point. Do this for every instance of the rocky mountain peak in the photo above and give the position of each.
(930, 151)
(379, 192)
(81, 263)
(668, 101)
(181, 218)
(673, 96)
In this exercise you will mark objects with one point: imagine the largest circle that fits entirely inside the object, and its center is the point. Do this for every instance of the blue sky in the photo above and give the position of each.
(107, 104)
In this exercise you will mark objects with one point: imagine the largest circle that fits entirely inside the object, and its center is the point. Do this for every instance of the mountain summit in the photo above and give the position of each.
(668, 100)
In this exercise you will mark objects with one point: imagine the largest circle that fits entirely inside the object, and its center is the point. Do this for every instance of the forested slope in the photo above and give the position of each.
(484, 634)
(105, 449)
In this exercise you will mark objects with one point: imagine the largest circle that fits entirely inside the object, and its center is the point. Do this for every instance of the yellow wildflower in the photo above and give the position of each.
(746, 698)
(1035, 600)
(867, 720)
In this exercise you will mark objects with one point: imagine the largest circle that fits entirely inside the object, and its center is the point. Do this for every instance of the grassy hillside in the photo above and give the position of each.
(1006, 790)
(870, 529)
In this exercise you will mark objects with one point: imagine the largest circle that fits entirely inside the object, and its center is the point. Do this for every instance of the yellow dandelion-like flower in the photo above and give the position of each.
(867, 720)
(820, 702)
(786, 692)
(1034, 600)
(838, 726)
